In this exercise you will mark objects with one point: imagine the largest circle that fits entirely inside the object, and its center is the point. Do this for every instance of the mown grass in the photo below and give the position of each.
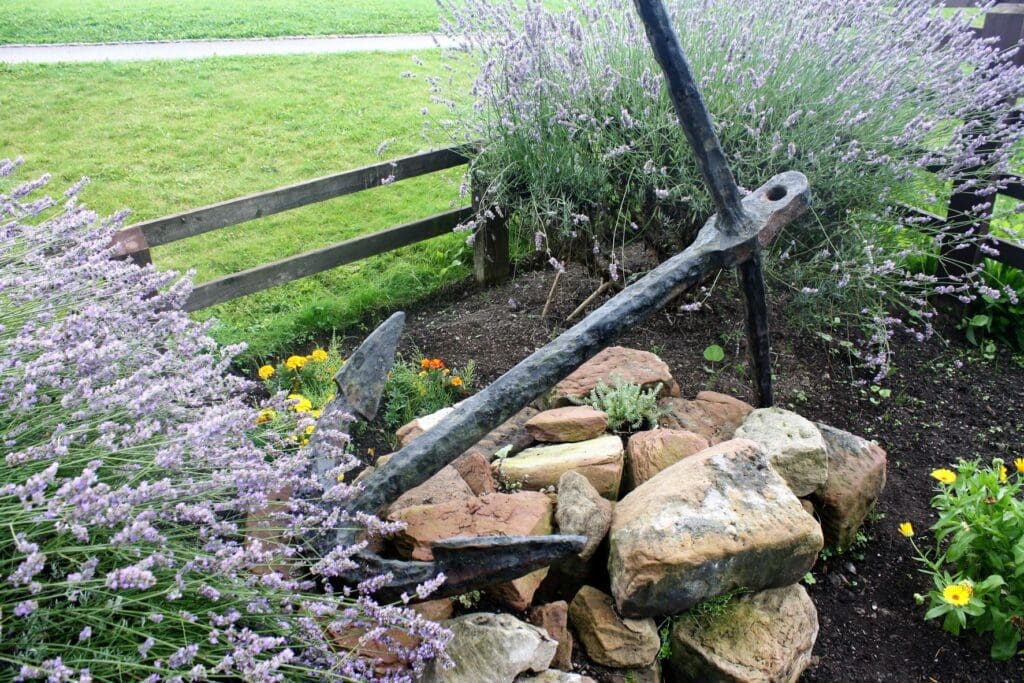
(94, 21)
(161, 137)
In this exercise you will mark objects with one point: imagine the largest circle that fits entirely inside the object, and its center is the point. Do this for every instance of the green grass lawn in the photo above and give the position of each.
(161, 137)
(96, 21)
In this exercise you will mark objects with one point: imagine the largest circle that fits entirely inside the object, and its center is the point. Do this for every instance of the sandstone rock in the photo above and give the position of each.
(554, 619)
(581, 510)
(476, 471)
(435, 610)
(608, 638)
(600, 460)
(409, 431)
(766, 636)
(447, 485)
(566, 425)
(650, 452)
(525, 513)
(511, 432)
(494, 648)
(711, 415)
(713, 522)
(615, 362)
(794, 446)
(555, 676)
(856, 477)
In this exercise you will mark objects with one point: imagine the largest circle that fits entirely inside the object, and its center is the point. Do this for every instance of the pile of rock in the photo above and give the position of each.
(720, 498)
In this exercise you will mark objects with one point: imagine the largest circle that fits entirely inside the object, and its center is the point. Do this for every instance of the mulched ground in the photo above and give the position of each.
(871, 629)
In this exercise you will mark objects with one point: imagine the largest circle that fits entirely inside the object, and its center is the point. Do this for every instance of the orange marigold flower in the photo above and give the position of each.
(425, 363)
(456, 381)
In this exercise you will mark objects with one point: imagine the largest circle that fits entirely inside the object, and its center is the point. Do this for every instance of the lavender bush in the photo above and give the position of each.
(580, 140)
(133, 467)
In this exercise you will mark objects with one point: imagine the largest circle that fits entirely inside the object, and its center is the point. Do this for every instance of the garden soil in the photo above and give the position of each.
(946, 403)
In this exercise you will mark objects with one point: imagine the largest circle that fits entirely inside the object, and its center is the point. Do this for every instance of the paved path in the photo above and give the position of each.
(196, 49)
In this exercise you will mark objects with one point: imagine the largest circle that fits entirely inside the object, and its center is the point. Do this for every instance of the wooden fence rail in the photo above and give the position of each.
(490, 264)
(1004, 23)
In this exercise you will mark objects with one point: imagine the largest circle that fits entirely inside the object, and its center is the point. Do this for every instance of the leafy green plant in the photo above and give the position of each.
(414, 390)
(629, 406)
(711, 609)
(999, 316)
(977, 561)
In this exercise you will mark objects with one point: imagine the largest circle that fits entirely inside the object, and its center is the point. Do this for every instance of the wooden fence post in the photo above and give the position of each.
(491, 260)
(1005, 23)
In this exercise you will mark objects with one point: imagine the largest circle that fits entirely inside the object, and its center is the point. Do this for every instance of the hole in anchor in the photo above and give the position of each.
(776, 193)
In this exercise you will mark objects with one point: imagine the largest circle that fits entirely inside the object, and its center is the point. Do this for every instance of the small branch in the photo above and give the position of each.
(551, 294)
(590, 299)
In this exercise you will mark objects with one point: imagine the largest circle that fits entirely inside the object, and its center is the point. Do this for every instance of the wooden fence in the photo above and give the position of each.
(1005, 23)
(491, 261)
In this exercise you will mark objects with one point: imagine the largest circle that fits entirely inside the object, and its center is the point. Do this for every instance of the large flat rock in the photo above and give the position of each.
(611, 364)
(716, 521)
(568, 424)
(600, 460)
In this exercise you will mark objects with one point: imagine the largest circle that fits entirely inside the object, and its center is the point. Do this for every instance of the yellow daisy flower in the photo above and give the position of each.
(958, 594)
(1002, 473)
(907, 529)
(944, 476)
(266, 372)
(1019, 464)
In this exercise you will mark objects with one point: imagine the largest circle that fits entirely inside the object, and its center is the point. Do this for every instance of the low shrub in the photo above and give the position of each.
(134, 468)
(977, 561)
(582, 146)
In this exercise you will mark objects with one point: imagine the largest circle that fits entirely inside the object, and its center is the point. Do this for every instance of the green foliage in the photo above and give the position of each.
(714, 354)
(97, 21)
(977, 562)
(417, 389)
(628, 405)
(190, 133)
(998, 319)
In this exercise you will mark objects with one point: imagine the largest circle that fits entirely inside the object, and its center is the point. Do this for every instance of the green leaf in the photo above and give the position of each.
(980, 320)
(938, 611)
(714, 353)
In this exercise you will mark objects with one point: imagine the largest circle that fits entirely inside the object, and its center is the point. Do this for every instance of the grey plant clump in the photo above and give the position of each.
(581, 143)
(628, 405)
(133, 465)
